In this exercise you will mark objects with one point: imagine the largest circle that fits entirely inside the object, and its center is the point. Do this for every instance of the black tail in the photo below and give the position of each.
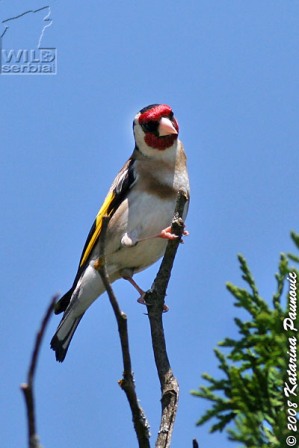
(64, 334)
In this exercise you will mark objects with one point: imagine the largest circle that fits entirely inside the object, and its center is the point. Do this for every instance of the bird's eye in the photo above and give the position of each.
(170, 116)
(150, 126)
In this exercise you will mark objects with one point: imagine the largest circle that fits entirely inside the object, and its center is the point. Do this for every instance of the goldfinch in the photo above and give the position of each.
(140, 203)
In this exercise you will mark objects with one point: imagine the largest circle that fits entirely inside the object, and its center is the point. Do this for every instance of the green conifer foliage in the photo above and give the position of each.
(250, 399)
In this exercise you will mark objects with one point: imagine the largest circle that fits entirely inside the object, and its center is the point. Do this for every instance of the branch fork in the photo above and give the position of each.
(154, 299)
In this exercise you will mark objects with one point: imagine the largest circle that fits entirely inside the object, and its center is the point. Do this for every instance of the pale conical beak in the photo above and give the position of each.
(166, 127)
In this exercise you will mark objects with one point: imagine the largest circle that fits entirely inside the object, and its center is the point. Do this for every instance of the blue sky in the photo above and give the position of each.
(230, 72)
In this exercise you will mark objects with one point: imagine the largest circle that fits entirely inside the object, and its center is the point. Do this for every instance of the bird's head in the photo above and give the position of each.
(155, 128)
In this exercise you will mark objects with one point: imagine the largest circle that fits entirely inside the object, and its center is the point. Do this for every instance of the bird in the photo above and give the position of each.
(140, 204)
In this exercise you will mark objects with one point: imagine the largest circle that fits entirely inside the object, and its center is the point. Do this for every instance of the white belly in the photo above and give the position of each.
(145, 217)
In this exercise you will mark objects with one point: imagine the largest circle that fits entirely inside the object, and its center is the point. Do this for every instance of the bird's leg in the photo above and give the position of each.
(132, 240)
(141, 292)
(167, 235)
(137, 287)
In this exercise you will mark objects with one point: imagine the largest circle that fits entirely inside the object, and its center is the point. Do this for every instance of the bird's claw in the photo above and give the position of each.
(168, 235)
(143, 302)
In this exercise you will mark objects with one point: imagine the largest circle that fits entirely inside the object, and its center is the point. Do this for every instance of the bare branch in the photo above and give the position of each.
(27, 388)
(155, 302)
(154, 299)
(140, 422)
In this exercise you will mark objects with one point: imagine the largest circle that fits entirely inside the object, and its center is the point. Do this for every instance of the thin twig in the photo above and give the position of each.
(140, 422)
(27, 388)
(154, 299)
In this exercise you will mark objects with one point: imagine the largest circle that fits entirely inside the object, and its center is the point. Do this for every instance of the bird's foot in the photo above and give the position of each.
(166, 234)
(141, 292)
(143, 302)
(130, 240)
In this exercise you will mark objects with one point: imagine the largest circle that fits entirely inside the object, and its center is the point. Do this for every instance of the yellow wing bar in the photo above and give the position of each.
(104, 210)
